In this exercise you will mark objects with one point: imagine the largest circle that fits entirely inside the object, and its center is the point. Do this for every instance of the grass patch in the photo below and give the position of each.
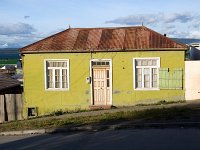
(163, 102)
(55, 122)
(8, 61)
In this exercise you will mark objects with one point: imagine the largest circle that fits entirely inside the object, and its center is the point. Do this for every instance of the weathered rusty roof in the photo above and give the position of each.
(104, 39)
(6, 83)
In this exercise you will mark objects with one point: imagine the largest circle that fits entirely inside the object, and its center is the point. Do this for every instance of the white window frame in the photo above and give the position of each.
(60, 68)
(151, 67)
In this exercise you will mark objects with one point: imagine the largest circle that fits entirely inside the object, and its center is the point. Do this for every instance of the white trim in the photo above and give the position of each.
(45, 75)
(111, 81)
(151, 67)
(68, 74)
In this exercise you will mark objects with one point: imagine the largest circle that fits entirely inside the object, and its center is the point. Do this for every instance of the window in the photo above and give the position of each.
(146, 73)
(57, 74)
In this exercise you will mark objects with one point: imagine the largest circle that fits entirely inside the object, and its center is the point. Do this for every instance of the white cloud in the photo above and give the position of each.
(20, 34)
(184, 24)
(135, 19)
(178, 17)
(194, 34)
(17, 34)
(16, 29)
(17, 40)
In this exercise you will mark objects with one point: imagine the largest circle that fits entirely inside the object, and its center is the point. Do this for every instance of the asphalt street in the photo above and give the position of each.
(129, 139)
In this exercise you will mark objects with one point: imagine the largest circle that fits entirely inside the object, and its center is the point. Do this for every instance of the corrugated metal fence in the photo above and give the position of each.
(10, 107)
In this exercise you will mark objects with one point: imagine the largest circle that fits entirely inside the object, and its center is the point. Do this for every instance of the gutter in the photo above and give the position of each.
(108, 50)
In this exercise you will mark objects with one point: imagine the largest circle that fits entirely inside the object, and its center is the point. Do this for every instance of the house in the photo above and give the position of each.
(10, 99)
(83, 68)
(194, 51)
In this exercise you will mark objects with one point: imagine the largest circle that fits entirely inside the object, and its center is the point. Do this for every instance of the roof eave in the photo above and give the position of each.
(103, 50)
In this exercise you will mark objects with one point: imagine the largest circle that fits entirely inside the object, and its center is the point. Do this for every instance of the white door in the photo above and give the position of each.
(101, 85)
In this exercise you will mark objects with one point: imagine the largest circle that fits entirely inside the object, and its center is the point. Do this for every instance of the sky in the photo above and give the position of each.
(23, 22)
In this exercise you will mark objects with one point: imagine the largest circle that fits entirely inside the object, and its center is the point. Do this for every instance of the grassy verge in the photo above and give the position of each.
(8, 61)
(144, 115)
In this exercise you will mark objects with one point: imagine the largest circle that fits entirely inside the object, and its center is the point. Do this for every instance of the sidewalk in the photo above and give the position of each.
(193, 122)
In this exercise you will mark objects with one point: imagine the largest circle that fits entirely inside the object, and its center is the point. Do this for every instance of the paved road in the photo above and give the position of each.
(133, 139)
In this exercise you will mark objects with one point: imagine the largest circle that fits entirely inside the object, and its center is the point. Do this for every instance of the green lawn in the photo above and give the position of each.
(8, 61)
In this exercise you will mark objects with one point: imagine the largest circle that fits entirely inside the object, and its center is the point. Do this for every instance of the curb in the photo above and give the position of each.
(103, 127)
(23, 132)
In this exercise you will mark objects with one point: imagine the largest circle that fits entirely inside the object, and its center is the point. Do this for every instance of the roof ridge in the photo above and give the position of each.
(110, 27)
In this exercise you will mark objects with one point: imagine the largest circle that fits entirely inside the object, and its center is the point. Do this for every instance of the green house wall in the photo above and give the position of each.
(79, 94)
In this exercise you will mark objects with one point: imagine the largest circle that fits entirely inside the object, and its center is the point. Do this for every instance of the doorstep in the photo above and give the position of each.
(96, 107)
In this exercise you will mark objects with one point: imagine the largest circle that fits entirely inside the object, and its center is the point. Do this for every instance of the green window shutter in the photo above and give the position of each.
(171, 79)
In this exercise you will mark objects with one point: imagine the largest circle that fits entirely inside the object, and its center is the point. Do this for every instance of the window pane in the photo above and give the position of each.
(50, 78)
(108, 83)
(154, 71)
(146, 85)
(138, 63)
(138, 78)
(138, 84)
(149, 62)
(154, 62)
(64, 64)
(146, 71)
(64, 78)
(144, 62)
(54, 64)
(57, 78)
(138, 71)
(94, 63)
(107, 73)
(154, 77)
(146, 78)
(49, 64)
(146, 81)
(154, 85)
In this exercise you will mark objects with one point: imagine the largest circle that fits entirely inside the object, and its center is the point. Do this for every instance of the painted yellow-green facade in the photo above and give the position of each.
(79, 94)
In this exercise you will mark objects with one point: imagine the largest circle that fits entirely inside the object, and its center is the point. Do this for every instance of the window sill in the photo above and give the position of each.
(56, 89)
(147, 89)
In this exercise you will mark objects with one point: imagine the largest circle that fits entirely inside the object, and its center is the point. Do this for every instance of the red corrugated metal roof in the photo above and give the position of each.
(104, 39)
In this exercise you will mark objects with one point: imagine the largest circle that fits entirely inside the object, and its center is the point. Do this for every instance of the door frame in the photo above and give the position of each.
(91, 76)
